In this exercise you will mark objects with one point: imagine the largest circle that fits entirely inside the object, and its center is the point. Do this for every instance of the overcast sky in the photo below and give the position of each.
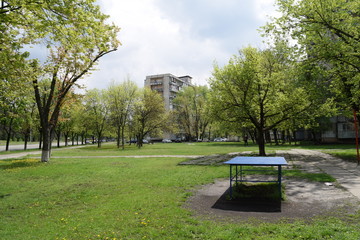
(182, 37)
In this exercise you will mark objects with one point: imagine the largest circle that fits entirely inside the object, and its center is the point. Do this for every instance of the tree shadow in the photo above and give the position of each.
(17, 164)
(247, 204)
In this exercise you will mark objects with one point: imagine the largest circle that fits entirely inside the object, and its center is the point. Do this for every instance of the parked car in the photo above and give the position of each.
(220, 139)
(145, 141)
(166, 141)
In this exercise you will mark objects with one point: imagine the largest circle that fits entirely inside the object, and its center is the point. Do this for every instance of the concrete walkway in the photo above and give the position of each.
(347, 174)
(28, 153)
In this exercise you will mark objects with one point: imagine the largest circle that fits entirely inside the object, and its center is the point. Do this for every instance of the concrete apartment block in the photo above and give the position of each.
(168, 86)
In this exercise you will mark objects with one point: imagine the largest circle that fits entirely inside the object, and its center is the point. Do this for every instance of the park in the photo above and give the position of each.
(168, 191)
(266, 147)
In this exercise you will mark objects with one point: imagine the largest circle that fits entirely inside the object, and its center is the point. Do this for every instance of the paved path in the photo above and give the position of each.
(347, 174)
(30, 145)
(24, 154)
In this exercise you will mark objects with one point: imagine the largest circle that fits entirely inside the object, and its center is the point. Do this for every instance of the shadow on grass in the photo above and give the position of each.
(17, 164)
(244, 201)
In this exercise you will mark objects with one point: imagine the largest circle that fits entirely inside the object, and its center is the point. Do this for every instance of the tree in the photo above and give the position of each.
(327, 33)
(192, 112)
(97, 112)
(76, 35)
(257, 87)
(150, 115)
(27, 121)
(16, 109)
(121, 100)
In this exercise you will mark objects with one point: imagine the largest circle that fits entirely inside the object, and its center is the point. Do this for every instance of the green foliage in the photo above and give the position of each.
(121, 99)
(257, 88)
(193, 111)
(150, 116)
(97, 111)
(327, 34)
(76, 36)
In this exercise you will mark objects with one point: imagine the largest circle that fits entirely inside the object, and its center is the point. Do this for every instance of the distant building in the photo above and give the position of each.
(168, 86)
(338, 129)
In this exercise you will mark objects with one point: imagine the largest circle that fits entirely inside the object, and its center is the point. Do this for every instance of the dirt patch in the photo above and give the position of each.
(305, 200)
(215, 159)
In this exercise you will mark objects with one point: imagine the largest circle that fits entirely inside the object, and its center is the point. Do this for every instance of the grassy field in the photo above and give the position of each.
(128, 198)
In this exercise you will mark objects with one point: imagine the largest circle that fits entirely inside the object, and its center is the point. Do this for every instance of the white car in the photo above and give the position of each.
(166, 141)
(220, 140)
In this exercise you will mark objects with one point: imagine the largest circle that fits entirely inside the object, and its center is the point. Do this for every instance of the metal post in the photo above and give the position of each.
(356, 137)
(237, 174)
(230, 182)
(241, 174)
(279, 180)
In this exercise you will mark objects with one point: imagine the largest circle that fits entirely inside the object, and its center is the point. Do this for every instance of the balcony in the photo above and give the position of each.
(174, 88)
(155, 83)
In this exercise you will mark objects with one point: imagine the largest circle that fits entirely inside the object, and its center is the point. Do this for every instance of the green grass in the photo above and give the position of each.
(202, 148)
(128, 198)
(158, 149)
(345, 154)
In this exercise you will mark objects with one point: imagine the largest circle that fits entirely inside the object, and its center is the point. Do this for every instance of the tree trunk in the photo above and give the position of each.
(123, 137)
(267, 136)
(261, 142)
(99, 136)
(7, 142)
(40, 138)
(118, 137)
(294, 137)
(275, 137)
(139, 142)
(26, 137)
(8, 132)
(283, 140)
(46, 148)
(58, 134)
(66, 136)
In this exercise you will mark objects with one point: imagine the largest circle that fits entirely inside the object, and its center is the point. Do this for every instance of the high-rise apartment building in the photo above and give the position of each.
(168, 86)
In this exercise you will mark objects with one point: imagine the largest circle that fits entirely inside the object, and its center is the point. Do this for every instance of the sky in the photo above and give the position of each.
(181, 37)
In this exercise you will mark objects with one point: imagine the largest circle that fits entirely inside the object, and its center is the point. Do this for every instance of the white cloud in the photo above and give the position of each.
(265, 9)
(181, 37)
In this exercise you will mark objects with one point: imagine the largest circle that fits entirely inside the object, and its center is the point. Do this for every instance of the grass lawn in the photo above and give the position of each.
(202, 148)
(109, 149)
(128, 198)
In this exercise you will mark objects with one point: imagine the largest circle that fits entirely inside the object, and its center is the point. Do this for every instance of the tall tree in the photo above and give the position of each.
(150, 115)
(76, 35)
(97, 112)
(326, 33)
(257, 87)
(192, 111)
(121, 100)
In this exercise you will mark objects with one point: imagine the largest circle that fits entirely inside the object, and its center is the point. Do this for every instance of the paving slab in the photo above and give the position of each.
(347, 174)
